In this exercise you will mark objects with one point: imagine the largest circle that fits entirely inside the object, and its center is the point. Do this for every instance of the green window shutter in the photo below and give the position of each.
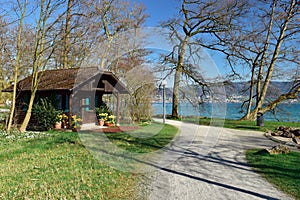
(67, 103)
(87, 103)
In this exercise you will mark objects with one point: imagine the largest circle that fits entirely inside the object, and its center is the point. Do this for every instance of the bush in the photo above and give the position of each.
(103, 108)
(46, 113)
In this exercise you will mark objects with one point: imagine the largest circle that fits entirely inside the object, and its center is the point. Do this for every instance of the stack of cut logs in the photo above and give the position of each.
(288, 132)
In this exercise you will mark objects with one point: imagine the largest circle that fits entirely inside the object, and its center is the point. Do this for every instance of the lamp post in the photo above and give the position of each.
(163, 83)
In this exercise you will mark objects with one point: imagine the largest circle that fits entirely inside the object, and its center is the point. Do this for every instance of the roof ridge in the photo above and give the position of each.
(63, 79)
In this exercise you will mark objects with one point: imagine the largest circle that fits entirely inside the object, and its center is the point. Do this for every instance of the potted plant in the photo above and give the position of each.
(102, 117)
(58, 121)
(110, 120)
(102, 113)
(64, 119)
(76, 123)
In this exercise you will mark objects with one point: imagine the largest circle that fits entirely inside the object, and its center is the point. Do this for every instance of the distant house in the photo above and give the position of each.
(77, 90)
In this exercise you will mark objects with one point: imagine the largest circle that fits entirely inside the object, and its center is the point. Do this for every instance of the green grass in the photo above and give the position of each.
(237, 124)
(58, 166)
(145, 144)
(281, 170)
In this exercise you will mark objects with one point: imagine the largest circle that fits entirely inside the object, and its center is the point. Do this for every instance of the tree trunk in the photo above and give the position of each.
(28, 113)
(273, 104)
(269, 74)
(175, 102)
(181, 55)
(281, 98)
(251, 92)
(251, 116)
(273, 61)
(260, 91)
(16, 70)
(67, 33)
(37, 62)
(110, 38)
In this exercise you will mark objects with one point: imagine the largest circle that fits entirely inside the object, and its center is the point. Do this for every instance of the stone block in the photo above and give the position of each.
(279, 149)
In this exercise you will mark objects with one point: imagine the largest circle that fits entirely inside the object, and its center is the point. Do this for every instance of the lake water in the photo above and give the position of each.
(284, 112)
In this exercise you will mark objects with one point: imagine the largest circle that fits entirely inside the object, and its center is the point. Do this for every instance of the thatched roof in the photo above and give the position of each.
(67, 79)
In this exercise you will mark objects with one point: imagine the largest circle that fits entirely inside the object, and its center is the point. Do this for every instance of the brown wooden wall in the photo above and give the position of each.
(89, 117)
(21, 104)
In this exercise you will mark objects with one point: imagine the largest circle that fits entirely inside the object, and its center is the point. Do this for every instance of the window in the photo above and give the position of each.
(59, 101)
(67, 103)
(25, 102)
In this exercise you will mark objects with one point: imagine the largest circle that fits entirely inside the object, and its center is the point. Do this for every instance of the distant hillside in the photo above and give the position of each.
(238, 89)
(242, 88)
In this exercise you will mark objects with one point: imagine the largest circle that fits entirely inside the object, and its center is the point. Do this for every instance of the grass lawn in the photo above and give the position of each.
(58, 166)
(244, 125)
(281, 170)
(144, 145)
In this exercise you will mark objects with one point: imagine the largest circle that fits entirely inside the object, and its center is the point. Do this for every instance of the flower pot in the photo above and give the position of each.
(101, 122)
(75, 129)
(109, 124)
(57, 125)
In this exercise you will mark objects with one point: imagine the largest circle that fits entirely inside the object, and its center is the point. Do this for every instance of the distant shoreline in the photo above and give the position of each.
(287, 112)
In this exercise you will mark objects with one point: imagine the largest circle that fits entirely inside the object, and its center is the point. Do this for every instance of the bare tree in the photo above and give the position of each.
(267, 47)
(198, 20)
(63, 34)
(110, 19)
(140, 82)
(67, 33)
(74, 34)
(43, 50)
(5, 52)
(22, 9)
(86, 24)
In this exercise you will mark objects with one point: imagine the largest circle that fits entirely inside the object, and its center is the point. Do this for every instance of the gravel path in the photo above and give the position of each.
(202, 172)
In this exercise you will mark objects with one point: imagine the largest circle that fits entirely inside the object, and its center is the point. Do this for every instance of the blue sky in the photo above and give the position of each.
(159, 10)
